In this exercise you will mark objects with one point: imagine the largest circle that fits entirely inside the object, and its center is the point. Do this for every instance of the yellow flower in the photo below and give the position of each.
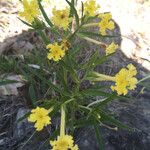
(111, 48)
(105, 23)
(61, 18)
(64, 142)
(125, 80)
(40, 117)
(31, 10)
(56, 52)
(65, 44)
(91, 8)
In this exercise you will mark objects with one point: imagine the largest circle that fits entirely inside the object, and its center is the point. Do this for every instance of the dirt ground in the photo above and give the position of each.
(133, 20)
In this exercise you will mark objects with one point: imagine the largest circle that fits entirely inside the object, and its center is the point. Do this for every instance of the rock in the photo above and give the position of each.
(87, 140)
(11, 88)
(21, 127)
(1, 142)
(22, 47)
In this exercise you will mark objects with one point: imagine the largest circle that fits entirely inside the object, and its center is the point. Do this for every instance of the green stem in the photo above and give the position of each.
(43, 36)
(106, 77)
(90, 24)
(95, 76)
(62, 124)
(144, 79)
(93, 41)
(44, 14)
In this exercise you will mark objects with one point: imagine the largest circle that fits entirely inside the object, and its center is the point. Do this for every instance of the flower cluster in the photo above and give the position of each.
(31, 10)
(91, 8)
(125, 80)
(40, 117)
(56, 52)
(64, 142)
(111, 48)
(105, 23)
(61, 18)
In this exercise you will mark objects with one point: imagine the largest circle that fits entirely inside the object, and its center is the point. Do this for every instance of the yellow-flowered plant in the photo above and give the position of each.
(91, 8)
(111, 48)
(63, 75)
(56, 52)
(31, 10)
(40, 117)
(64, 143)
(125, 80)
(106, 23)
(61, 18)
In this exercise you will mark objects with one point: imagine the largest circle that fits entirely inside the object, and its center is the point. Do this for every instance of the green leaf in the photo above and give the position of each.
(98, 136)
(75, 50)
(74, 11)
(71, 10)
(54, 87)
(32, 94)
(102, 102)
(67, 64)
(94, 92)
(92, 34)
(82, 11)
(108, 119)
(52, 136)
(26, 23)
(83, 122)
(62, 77)
(43, 36)
(5, 82)
(91, 62)
(101, 60)
(23, 117)
(44, 14)
(107, 100)
(143, 79)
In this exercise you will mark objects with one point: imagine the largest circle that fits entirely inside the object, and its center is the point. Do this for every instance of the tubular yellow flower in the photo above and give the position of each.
(40, 117)
(61, 18)
(91, 8)
(125, 80)
(105, 23)
(111, 48)
(64, 143)
(56, 52)
(31, 10)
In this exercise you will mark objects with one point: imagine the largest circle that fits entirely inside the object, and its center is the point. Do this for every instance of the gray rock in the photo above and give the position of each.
(21, 127)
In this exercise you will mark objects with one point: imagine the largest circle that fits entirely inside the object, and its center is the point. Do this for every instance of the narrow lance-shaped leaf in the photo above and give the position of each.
(32, 94)
(43, 36)
(44, 14)
(26, 23)
(94, 92)
(54, 87)
(108, 119)
(74, 11)
(92, 34)
(5, 82)
(98, 136)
